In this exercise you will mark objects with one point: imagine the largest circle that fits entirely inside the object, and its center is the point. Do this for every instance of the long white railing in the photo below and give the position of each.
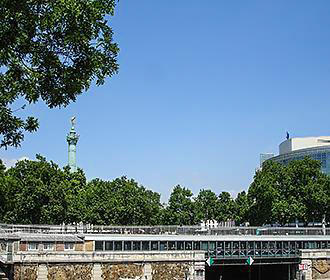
(177, 230)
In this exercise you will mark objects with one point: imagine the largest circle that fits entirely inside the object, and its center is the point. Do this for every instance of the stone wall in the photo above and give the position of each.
(170, 271)
(105, 271)
(70, 272)
(154, 271)
(26, 272)
(122, 271)
(76, 265)
(321, 269)
(317, 263)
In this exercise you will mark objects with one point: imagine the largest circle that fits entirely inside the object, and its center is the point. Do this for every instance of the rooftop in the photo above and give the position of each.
(78, 231)
(299, 143)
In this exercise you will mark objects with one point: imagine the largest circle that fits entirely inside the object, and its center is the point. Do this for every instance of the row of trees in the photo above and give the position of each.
(39, 192)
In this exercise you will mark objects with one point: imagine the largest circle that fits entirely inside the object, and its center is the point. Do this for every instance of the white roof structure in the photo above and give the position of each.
(299, 143)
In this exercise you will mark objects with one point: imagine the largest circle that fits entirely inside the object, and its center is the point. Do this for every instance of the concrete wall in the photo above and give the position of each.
(285, 147)
(113, 257)
(294, 144)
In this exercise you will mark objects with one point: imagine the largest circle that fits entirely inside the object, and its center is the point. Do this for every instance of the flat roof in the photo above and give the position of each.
(142, 237)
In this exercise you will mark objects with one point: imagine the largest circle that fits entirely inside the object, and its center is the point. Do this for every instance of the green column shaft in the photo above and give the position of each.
(72, 139)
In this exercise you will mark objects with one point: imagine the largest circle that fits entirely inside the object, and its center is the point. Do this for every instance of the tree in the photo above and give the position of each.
(242, 207)
(308, 190)
(100, 203)
(284, 194)
(264, 192)
(226, 207)
(39, 192)
(50, 51)
(137, 206)
(75, 185)
(34, 193)
(206, 205)
(180, 209)
(120, 202)
(2, 193)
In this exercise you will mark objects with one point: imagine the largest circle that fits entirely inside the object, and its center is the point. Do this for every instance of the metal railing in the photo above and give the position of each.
(157, 230)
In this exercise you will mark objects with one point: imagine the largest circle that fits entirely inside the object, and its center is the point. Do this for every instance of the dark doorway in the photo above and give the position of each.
(253, 272)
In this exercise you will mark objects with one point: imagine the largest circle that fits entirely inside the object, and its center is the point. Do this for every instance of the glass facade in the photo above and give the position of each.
(264, 157)
(220, 249)
(321, 154)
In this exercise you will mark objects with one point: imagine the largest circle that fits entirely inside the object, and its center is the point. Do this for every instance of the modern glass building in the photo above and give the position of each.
(317, 148)
(264, 157)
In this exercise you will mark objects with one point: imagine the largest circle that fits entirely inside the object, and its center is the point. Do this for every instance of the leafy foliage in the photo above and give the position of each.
(34, 193)
(207, 205)
(180, 209)
(39, 192)
(242, 206)
(120, 202)
(284, 194)
(51, 51)
(226, 207)
(2, 193)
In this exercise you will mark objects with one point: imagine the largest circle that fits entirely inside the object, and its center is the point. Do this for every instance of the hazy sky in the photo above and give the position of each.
(204, 87)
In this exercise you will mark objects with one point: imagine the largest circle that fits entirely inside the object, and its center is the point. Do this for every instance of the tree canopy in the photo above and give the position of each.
(207, 205)
(226, 207)
(242, 206)
(180, 208)
(51, 51)
(39, 192)
(120, 202)
(33, 192)
(283, 194)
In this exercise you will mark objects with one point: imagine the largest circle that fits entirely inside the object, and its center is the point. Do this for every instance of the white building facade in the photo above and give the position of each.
(317, 148)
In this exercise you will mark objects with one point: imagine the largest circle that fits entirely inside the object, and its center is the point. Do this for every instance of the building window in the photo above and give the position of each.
(68, 245)
(205, 246)
(49, 246)
(163, 245)
(118, 246)
(154, 245)
(127, 245)
(108, 245)
(98, 245)
(323, 245)
(171, 245)
(212, 245)
(136, 245)
(180, 245)
(188, 245)
(197, 245)
(145, 246)
(33, 246)
(2, 246)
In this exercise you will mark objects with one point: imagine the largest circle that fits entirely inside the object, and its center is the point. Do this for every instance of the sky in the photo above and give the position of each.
(203, 88)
